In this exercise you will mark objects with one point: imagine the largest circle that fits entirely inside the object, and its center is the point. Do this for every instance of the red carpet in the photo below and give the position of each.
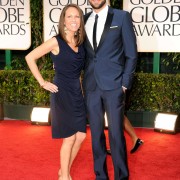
(27, 152)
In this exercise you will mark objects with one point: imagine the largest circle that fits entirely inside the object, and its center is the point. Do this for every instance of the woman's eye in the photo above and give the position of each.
(73, 17)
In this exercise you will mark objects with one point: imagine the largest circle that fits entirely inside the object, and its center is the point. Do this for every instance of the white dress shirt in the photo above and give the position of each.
(102, 15)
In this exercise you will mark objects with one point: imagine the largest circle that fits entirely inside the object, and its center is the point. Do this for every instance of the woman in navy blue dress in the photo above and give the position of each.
(67, 104)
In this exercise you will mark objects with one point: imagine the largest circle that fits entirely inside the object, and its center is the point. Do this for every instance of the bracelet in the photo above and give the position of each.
(43, 84)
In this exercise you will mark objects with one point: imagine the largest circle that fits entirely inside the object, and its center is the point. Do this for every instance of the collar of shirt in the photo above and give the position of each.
(102, 15)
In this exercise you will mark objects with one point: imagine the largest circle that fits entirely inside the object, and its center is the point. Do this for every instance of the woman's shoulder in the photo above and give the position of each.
(58, 37)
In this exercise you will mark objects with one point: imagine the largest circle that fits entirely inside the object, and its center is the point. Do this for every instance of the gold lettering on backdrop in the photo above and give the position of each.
(12, 17)
(147, 2)
(66, 2)
(154, 23)
(11, 2)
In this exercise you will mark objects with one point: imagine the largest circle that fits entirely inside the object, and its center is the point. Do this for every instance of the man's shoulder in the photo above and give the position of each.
(119, 11)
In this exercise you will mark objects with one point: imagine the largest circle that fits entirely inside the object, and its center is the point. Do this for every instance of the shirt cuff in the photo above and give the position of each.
(124, 87)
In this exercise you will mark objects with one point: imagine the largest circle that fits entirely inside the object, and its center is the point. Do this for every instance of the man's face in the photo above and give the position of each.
(97, 4)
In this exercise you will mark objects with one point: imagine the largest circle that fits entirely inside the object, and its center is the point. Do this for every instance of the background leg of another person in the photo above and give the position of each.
(130, 130)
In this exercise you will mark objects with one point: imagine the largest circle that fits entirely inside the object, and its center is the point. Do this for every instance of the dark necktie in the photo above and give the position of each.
(94, 33)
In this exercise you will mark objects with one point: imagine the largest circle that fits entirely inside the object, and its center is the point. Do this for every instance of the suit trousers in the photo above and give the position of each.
(112, 102)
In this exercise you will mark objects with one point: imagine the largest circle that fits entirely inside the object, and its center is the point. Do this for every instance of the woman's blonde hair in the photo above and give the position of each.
(80, 35)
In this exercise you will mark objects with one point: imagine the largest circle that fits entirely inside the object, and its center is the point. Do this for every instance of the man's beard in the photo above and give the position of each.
(99, 6)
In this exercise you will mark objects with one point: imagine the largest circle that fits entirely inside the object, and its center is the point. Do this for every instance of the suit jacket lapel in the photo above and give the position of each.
(86, 16)
(87, 39)
(106, 26)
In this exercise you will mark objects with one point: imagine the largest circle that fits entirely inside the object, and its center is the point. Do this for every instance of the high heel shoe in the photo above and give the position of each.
(139, 142)
(108, 151)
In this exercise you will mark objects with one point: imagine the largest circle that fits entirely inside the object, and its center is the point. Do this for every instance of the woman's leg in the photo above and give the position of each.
(130, 130)
(79, 138)
(65, 156)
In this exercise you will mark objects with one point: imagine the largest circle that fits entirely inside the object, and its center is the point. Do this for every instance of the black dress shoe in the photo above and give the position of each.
(108, 151)
(139, 142)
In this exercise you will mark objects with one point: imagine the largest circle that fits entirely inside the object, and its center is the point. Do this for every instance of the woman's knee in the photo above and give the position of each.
(80, 137)
(69, 140)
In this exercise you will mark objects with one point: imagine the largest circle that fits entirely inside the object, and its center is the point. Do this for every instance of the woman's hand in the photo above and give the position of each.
(50, 87)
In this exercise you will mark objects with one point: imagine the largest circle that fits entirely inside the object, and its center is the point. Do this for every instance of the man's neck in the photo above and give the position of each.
(100, 9)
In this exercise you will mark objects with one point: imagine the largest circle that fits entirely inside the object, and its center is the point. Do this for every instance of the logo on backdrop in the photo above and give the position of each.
(52, 11)
(15, 24)
(156, 24)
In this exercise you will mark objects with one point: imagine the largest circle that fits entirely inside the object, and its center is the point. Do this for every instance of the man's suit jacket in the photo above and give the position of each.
(114, 62)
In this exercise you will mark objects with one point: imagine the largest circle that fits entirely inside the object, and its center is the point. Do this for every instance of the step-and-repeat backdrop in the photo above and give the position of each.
(156, 22)
(15, 31)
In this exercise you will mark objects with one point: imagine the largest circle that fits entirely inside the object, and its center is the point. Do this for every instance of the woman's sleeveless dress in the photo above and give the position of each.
(68, 114)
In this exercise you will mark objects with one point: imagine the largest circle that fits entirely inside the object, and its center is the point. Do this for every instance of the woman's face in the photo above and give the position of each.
(72, 19)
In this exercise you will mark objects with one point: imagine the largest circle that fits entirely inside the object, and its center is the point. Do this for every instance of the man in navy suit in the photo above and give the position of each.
(111, 57)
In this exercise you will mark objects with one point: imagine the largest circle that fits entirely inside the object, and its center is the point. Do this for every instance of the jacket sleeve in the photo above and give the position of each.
(130, 50)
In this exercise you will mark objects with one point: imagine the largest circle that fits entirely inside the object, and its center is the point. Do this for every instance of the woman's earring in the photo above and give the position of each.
(78, 32)
(65, 29)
